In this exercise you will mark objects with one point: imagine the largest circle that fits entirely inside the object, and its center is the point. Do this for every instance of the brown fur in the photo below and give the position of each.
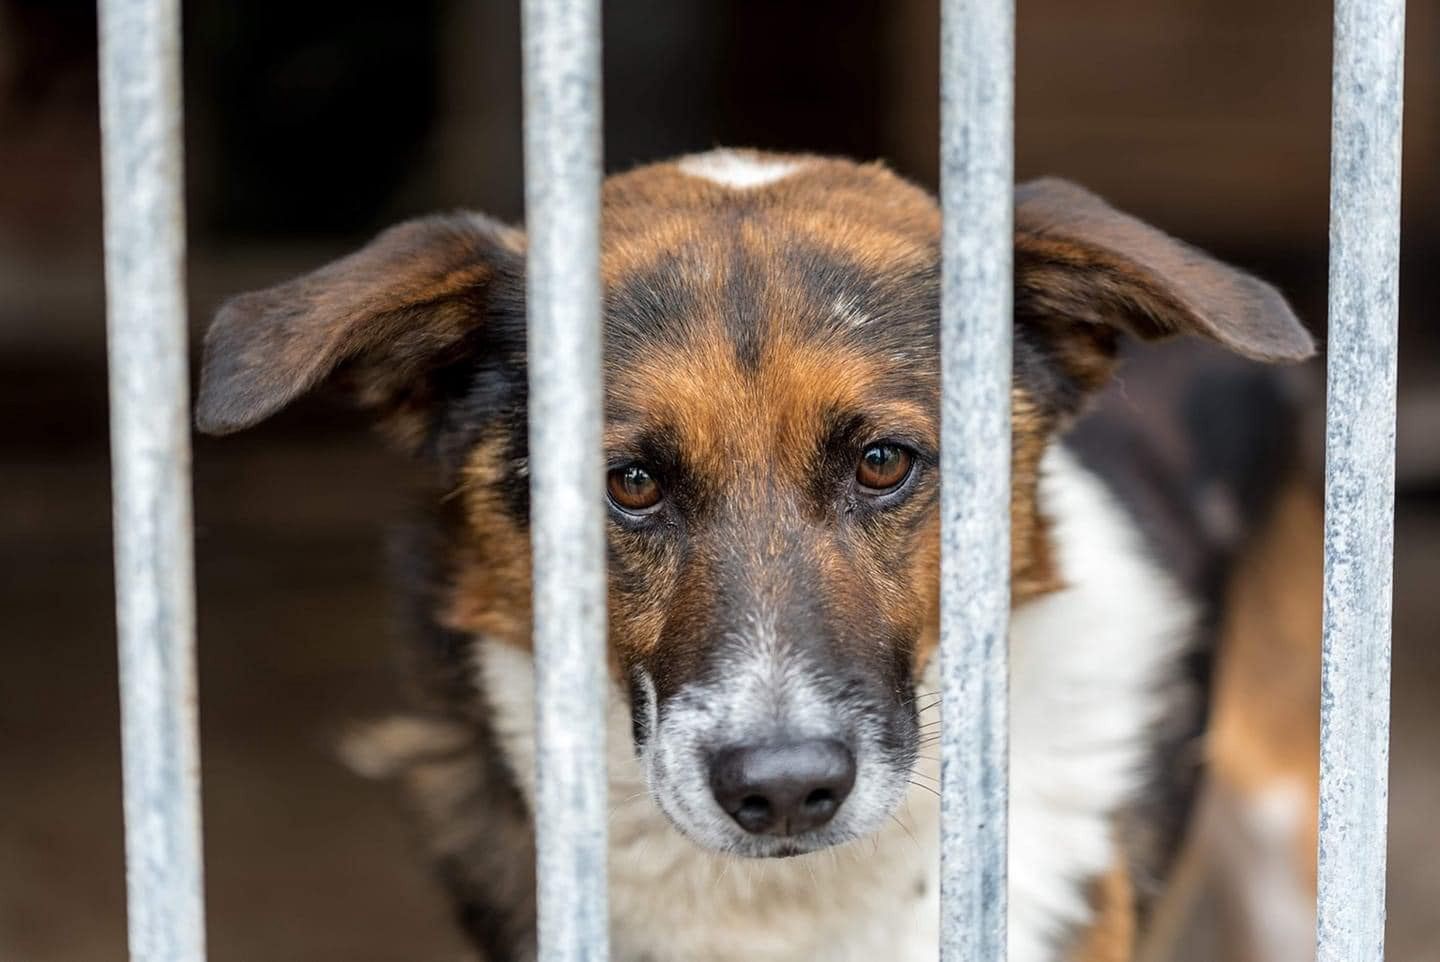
(1112, 936)
(1078, 258)
(490, 592)
(1267, 701)
(860, 210)
(392, 309)
(1264, 735)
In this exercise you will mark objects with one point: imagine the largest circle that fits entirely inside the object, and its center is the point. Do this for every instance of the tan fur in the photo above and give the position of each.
(1112, 936)
(1263, 742)
(1265, 738)
(1032, 565)
(489, 590)
(1267, 699)
(1266, 727)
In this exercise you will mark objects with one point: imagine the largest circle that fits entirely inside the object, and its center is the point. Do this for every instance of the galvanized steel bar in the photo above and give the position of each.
(567, 471)
(150, 445)
(977, 65)
(1360, 478)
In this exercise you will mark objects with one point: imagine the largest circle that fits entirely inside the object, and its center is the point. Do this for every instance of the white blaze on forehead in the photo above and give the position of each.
(732, 168)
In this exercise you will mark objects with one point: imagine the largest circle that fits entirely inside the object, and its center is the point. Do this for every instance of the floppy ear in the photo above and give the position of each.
(1084, 271)
(386, 316)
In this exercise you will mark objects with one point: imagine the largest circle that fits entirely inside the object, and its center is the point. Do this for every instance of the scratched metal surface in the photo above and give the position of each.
(562, 199)
(1360, 478)
(976, 182)
(150, 444)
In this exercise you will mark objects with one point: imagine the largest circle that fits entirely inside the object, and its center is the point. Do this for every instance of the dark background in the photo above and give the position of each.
(310, 125)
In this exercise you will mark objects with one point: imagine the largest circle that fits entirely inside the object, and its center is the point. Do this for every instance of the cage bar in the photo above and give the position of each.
(567, 474)
(977, 66)
(150, 449)
(1359, 478)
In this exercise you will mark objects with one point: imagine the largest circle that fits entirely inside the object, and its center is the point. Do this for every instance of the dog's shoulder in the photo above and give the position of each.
(1193, 445)
(1194, 442)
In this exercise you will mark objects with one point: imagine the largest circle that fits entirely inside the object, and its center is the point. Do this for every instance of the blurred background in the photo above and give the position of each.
(309, 126)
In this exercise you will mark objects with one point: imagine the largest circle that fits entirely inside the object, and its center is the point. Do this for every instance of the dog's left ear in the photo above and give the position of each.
(1084, 271)
(382, 321)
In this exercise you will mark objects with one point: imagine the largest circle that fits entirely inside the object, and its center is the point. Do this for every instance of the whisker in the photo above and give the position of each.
(906, 829)
(623, 802)
(934, 697)
(725, 864)
(927, 788)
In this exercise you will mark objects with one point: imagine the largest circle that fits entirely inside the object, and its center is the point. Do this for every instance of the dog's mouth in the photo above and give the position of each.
(785, 850)
(790, 851)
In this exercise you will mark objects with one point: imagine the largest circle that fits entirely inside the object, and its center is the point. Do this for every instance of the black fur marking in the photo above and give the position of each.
(650, 307)
(744, 311)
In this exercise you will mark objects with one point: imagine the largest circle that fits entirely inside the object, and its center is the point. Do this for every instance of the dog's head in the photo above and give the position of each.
(772, 436)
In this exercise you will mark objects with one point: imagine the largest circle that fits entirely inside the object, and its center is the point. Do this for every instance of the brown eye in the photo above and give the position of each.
(632, 488)
(883, 467)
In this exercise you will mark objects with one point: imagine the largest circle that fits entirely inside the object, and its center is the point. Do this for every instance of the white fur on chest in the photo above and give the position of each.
(1085, 665)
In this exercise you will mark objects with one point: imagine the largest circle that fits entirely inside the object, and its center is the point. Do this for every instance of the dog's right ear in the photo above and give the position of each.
(385, 317)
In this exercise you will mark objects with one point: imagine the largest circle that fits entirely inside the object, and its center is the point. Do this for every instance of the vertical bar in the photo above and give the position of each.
(977, 64)
(567, 472)
(1360, 478)
(150, 450)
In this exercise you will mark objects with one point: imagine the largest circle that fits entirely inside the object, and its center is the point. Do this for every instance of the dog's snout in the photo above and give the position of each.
(783, 789)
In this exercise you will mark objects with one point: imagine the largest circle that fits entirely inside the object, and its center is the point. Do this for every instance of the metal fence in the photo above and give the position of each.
(145, 279)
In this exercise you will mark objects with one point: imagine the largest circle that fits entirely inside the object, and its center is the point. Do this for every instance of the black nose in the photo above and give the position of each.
(783, 789)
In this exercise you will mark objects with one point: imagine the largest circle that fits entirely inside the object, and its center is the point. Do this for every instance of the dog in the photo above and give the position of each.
(772, 442)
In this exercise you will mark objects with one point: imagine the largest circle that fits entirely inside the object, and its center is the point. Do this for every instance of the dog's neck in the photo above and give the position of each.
(1087, 664)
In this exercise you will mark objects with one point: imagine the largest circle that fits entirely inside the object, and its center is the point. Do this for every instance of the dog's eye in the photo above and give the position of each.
(633, 489)
(883, 467)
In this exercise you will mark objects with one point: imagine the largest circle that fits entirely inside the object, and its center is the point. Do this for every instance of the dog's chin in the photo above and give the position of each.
(790, 847)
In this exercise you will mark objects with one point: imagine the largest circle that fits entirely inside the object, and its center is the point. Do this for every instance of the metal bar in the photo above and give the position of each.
(567, 471)
(977, 78)
(150, 446)
(1360, 478)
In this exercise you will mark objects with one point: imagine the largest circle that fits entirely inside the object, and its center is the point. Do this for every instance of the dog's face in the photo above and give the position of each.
(772, 440)
(771, 408)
